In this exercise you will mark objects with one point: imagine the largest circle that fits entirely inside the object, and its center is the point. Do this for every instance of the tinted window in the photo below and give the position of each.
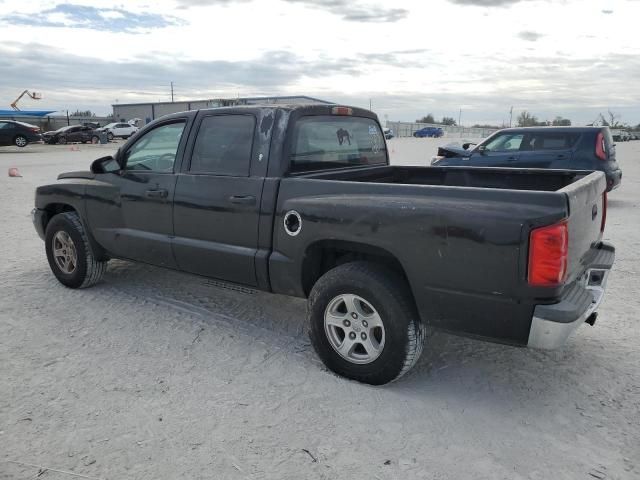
(156, 150)
(551, 141)
(505, 142)
(6, 125)
(330, 142)
(223, 145)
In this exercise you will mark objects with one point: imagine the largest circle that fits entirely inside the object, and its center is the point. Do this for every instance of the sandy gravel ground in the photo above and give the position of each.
(158, 375)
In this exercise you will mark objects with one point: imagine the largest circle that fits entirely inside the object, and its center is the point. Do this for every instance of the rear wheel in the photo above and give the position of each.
(69, 252)
(62, 140)
(95, 139)
(20, 141)
(363, 323)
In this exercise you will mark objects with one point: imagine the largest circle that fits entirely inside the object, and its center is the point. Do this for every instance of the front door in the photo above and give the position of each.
(6, 133)
(502, 150)
(217, 201)
(132, 214)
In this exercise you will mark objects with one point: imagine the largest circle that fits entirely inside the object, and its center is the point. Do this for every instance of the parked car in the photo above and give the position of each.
(19, 134)
(579, 148)
(620, 135)
(71, 134)
(388, 133)
(434, 132)
(121, 130)
(301, 200)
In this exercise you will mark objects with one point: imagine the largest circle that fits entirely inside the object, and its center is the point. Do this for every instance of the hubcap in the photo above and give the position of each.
(21, 142)
(354, 329)
(64, 252)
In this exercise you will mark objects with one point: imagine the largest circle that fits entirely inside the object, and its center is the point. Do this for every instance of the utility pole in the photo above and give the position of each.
(510, 115)
(369, 104)
(171, 92)
(460, 117)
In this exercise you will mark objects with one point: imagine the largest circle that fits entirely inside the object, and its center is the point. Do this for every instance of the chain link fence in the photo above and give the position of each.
(407, 129)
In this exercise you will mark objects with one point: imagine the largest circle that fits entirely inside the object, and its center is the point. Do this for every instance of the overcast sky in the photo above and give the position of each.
(560, 57)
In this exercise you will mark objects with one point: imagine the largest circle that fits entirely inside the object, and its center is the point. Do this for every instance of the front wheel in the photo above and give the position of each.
(20, 141)
(95, 139)
(110, 136)
(363, 323)
(69, 252)
(62, 140)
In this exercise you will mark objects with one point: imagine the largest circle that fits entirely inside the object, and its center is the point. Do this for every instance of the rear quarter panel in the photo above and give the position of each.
(463, 249)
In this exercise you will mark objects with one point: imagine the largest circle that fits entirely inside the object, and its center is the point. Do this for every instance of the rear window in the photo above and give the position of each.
(550, 141)
(322, 142)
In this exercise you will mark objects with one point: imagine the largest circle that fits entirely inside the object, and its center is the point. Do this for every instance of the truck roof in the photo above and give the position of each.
(299, 108)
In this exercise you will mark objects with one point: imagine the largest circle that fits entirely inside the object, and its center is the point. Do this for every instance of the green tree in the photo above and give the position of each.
(561, 122)
(428, 119)
(85, 113)
(526, 119)
(448, 121)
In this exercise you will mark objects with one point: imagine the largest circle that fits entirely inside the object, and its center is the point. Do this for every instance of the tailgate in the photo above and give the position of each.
(587, 206)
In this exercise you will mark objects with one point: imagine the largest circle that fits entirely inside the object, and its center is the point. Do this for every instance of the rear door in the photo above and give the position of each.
(217, 200)
(547, 149)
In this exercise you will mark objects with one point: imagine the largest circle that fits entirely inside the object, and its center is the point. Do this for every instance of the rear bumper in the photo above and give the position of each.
(613, 179)
(552, 325)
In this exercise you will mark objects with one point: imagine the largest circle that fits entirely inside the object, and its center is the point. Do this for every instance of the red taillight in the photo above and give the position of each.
(601, 148)
(342, 111)
(604, 211)
(548, 251)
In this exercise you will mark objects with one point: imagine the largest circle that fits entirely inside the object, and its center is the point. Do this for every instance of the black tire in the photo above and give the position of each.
(95, 139)
(88, 270)
(20, 141)
(388, 293)
(62, 140)
(110, 136)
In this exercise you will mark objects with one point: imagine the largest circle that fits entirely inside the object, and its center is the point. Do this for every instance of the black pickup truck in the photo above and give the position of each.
(301, 200)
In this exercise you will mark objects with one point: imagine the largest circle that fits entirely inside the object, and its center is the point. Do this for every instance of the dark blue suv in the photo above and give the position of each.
(429, 132)
(573, 148)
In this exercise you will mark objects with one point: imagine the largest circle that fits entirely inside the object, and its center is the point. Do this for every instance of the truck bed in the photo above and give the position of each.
(501, 178)
(461, 234)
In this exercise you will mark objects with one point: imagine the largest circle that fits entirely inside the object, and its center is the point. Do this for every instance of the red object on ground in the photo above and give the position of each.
(13, 172)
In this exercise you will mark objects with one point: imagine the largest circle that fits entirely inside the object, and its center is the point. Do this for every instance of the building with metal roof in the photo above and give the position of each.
(148, 112)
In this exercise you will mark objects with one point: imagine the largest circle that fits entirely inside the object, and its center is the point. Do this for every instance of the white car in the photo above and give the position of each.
(122, 130)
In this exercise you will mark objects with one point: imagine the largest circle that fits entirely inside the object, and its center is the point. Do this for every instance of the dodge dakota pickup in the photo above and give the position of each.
(301, 200)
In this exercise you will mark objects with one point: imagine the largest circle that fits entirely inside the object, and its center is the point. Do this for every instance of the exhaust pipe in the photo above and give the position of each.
(592, 319)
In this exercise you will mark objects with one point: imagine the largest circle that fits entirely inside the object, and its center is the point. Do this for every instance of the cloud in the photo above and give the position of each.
(349, 10)
(488, 3)
(530, 36)
(66, 15)
(48, 66)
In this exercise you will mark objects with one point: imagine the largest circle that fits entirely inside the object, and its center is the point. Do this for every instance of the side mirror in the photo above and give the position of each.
(482, 149)
(467, 145)
(105, 165)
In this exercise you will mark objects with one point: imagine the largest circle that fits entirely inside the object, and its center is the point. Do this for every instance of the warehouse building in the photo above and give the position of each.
(148, 112)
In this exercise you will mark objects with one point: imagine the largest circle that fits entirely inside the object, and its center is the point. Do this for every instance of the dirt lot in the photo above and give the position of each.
(158, 375)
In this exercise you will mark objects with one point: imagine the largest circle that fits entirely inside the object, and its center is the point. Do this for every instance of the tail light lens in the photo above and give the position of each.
(548, 252)
(604, 211)
(601, 148)
(342, 111)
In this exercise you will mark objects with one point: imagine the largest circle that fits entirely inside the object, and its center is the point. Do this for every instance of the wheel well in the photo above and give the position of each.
(325, 255)
(54, 209)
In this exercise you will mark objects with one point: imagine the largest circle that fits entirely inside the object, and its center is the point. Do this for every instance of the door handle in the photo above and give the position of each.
(159, 193)
(243, 199)
(512, 159)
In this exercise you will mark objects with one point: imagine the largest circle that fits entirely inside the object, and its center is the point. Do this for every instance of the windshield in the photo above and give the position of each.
(321, 142)
(64, 129)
